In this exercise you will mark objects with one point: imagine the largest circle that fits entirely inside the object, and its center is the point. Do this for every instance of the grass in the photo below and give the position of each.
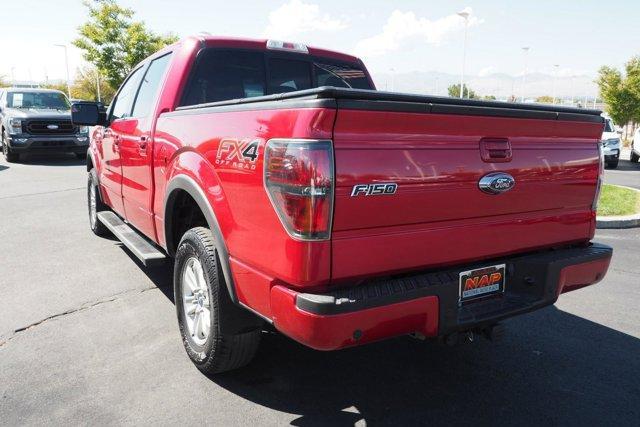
(616, 200)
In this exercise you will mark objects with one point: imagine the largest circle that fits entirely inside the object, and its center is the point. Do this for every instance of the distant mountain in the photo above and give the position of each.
(499, 85)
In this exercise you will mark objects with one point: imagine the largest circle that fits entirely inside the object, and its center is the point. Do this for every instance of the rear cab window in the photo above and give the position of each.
(225, 74)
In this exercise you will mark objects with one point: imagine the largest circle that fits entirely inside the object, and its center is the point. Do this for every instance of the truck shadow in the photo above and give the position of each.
(52, 159)
(552, 367)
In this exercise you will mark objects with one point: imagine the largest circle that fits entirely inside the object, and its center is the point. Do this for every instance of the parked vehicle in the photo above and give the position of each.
(39, 120)
(339, 214)
(635, 146)
(611, 143)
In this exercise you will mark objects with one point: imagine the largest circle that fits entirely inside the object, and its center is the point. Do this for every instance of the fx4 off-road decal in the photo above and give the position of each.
(238, 153)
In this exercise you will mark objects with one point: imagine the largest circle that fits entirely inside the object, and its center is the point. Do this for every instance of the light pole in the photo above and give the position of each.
(66, 62)
(465, 15)
(13, 76)
(555, 77)
(393, 78)
(572, 95)
(524, 74)
(98, 83)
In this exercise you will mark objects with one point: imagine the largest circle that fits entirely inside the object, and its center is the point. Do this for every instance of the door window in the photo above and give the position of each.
(124, 100)
(149, 86)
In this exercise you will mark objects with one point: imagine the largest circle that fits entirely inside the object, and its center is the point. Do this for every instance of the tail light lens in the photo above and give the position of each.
(298, 177)
(594, 205)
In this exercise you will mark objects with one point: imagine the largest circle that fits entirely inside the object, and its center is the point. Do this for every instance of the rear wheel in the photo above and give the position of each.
(634, 156)
(95, 205)
(203, 306)
(8, 154)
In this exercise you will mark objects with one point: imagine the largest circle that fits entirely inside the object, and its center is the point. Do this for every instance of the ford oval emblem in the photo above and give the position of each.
(52, 127)
(496, 183)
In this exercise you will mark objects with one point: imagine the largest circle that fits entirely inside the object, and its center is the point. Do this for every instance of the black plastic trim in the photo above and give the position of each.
(532, 281)
(391, 101)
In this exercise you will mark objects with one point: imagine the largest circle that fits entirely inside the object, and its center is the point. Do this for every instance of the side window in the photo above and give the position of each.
(149, 86)
(124, 100)
(341, 76)
(222, 75)
(286, 75)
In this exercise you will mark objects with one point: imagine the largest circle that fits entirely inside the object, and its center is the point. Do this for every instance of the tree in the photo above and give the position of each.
(489, 97)
(3, 82)
(85, 86)
(113, 42)
(545, 99)
(61, 86)
(454, 92)
(621, 92)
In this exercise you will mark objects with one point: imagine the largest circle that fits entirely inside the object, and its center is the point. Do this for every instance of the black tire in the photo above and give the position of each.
(81, 156)
(634, 157)
(10, 156)
(613, 164)
(221, 351)
(98, 228)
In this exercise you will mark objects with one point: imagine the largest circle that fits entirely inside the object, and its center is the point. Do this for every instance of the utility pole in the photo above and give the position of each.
(465, 15)
(524, 74)
(555, 78)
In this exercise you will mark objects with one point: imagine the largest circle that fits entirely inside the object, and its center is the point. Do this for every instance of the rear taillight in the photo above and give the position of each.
(298, 177)
(594, 205)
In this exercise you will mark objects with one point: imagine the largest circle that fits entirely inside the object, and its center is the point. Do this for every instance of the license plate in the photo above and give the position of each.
(482, 282)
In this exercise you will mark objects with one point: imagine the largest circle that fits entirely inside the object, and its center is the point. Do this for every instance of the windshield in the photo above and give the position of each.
(608, 126)
(39, 100)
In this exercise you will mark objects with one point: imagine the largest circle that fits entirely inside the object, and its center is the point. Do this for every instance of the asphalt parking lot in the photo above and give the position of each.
(89, 336)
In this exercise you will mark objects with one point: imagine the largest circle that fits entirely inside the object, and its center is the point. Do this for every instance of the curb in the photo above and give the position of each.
(622, 221)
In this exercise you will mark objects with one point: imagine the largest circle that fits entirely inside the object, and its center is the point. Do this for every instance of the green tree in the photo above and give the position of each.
(114, 42)
(85, 86)
(489, 97)
(621, 92)
(454, 92)
(545, 99)
(61, 86)
(3, 82)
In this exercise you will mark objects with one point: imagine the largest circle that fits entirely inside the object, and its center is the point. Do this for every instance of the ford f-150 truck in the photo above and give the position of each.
(290, 191)
(39, 120)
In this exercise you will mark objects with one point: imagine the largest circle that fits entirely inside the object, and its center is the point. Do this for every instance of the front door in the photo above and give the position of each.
(136, 148)
(110, 138)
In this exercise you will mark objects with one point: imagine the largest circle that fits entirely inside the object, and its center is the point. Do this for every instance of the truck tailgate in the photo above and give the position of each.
(438, 215)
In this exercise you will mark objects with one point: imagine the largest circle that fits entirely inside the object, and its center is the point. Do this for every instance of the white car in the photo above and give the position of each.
(635, 146)
(610, 143)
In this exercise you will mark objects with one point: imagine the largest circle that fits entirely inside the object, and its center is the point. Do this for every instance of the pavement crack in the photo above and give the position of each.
(17, 196)
(5, 338)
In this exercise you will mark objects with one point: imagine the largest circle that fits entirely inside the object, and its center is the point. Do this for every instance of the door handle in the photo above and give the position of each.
(142, 144)
(495, 150)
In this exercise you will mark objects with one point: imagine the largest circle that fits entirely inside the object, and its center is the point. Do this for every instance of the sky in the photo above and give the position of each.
(402, 35)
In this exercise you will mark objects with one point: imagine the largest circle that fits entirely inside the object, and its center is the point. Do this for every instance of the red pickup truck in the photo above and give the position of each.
(290, 191)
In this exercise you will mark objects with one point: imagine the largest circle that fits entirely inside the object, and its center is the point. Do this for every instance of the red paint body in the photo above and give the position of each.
(437, 218)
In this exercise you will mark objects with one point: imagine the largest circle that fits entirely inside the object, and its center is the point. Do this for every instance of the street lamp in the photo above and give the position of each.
(555, 77)
(524, 74)
(393, 78)
(465, 15)
(66, 62)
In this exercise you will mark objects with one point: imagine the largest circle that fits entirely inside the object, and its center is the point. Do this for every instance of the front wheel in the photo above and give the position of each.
(95, 205)
(10, 156)
(634, 156)
(201, 303)
(613, 164)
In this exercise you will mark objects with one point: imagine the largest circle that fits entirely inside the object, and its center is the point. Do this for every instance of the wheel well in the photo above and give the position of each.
(184, 215)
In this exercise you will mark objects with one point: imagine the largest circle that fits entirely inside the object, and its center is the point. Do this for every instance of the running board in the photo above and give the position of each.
(141, 247)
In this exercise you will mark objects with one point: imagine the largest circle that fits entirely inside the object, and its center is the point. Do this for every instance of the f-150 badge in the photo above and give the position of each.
(383, 189)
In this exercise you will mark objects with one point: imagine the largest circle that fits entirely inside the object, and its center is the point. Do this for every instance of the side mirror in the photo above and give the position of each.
(88, 114)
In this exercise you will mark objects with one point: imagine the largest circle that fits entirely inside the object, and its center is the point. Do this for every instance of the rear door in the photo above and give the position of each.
(120, 124)
(437, 214)
(136, 147)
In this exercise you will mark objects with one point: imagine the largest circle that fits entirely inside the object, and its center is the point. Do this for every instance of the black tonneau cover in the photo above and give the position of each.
(359, 99)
